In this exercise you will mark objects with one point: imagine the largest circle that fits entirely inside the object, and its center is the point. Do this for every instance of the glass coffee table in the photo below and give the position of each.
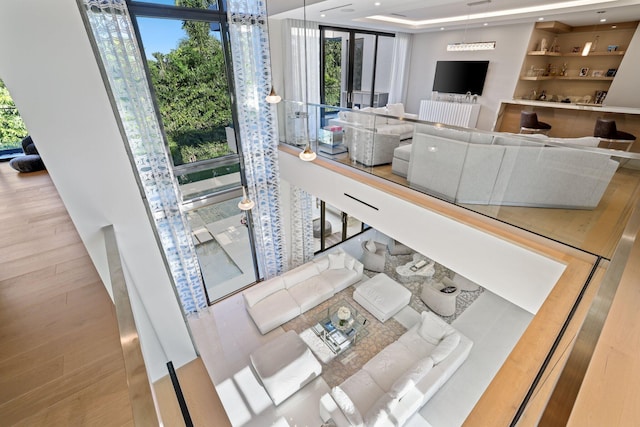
(341, 326)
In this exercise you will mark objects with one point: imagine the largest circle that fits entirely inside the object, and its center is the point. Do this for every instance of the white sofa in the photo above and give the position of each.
(506, 169)
(371, 134)
(399, 380)
(278, 300)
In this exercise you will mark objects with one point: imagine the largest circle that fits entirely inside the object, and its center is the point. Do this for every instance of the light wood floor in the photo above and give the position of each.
(61, 363)
(60, 358)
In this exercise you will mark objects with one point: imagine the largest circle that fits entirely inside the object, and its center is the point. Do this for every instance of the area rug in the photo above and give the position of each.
(337, 368)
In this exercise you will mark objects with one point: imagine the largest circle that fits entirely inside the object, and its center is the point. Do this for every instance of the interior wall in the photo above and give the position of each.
(51, 72)
(504, 64)
(623, 91)
(516, 274)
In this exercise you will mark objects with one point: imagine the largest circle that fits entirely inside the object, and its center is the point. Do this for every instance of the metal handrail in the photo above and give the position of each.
(145, 411)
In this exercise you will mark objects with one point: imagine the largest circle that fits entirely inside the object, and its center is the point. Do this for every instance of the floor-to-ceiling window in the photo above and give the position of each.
(352, 74)
(185, 43)
(331, 226)
(12, 128)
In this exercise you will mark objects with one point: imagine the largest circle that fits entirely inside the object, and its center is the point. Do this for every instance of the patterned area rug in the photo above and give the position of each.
(380, 334)
(464, 300)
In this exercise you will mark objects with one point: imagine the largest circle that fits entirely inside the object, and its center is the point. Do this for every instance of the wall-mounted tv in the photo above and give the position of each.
(460, 76)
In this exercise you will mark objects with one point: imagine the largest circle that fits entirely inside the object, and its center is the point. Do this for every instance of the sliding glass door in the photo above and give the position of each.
(351, 73)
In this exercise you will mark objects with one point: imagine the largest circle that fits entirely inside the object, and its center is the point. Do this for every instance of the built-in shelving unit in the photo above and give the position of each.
(554, 63)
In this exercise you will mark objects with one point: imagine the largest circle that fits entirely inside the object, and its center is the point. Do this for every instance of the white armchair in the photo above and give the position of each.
(436, 297)
(373, 260)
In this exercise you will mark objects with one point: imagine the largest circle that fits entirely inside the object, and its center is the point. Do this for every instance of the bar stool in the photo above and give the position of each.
(529, 123)
(607, 131)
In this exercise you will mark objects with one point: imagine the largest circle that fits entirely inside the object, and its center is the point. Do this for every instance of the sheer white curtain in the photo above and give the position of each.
(302, 247)
(400, 61)
(300, 85)
(297, 86)
(114, 35)
(249, 38)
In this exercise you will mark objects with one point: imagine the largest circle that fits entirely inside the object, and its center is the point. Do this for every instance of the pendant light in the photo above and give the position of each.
(246, 204)
(308, 154)
(273, 97)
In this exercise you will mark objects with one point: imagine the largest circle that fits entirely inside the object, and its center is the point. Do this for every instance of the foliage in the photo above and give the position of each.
(12, 128)
(332, 71)
(193, 94)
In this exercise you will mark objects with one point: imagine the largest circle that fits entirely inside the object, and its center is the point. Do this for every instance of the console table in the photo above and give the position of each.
(449, 113)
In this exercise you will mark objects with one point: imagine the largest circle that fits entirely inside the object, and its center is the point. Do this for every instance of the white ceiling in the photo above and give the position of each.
(458, 14)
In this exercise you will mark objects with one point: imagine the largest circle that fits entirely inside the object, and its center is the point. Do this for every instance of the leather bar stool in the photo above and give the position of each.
(607, 131)
(529, 123)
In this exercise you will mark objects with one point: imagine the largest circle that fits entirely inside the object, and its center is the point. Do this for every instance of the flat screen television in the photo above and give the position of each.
(460, 76)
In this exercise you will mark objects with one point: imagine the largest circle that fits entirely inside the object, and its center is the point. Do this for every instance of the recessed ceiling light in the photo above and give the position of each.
(603, 20)
(493, 14)
(322, 15)
(441, 28)
(485, 24)
(541, 19)
(377, 3)
(614, 26)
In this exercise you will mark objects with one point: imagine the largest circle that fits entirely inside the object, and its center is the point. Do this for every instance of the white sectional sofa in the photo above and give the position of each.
(278, 300)
(504, 169)
(399, 380)
(371, 134)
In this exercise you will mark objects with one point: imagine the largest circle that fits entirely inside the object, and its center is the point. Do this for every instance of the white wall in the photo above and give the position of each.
(516, 274)
(504, 64)
(51, 72)
(623, 91)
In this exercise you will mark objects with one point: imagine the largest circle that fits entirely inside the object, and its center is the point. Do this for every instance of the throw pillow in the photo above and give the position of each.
(349, 262)
(345, 403)
(336, 261)
(410, 378)
(371, 246)
(444, 349)
(432, 329)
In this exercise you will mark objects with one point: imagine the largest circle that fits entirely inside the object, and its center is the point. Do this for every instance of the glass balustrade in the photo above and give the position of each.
(567, 189)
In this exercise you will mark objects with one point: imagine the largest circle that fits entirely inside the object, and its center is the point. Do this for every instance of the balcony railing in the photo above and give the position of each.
(566, 189)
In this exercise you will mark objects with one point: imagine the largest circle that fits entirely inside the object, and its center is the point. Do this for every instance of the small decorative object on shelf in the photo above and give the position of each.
(611, 72)
(575, 49)
(600, 96)
(612, 48)
(563, 70)
(597, 73)
(543, 45)
(584, 72)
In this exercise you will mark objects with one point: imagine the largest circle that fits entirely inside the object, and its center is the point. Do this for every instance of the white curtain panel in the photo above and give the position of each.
(249, 38)
(302, 249)
(114, 35)
(296, 86)
(401, 61)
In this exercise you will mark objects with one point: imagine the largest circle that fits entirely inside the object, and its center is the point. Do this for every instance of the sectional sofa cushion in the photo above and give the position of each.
(340, 279)
(263, 290)
(311, 292)
(362, 390)
(390, 364)
(410, 378)
(299, 274)
(269, 312)
(445, 347)
(346, 405)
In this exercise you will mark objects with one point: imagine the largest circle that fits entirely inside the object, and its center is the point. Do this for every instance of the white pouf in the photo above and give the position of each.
(382, 296)
(284, 365)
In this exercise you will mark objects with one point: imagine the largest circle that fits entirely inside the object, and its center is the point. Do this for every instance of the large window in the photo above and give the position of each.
(185, 43)
(12, 128)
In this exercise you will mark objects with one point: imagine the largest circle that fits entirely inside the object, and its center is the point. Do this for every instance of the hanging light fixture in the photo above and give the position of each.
(246, 204)
(273, 97)
(308, 154)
